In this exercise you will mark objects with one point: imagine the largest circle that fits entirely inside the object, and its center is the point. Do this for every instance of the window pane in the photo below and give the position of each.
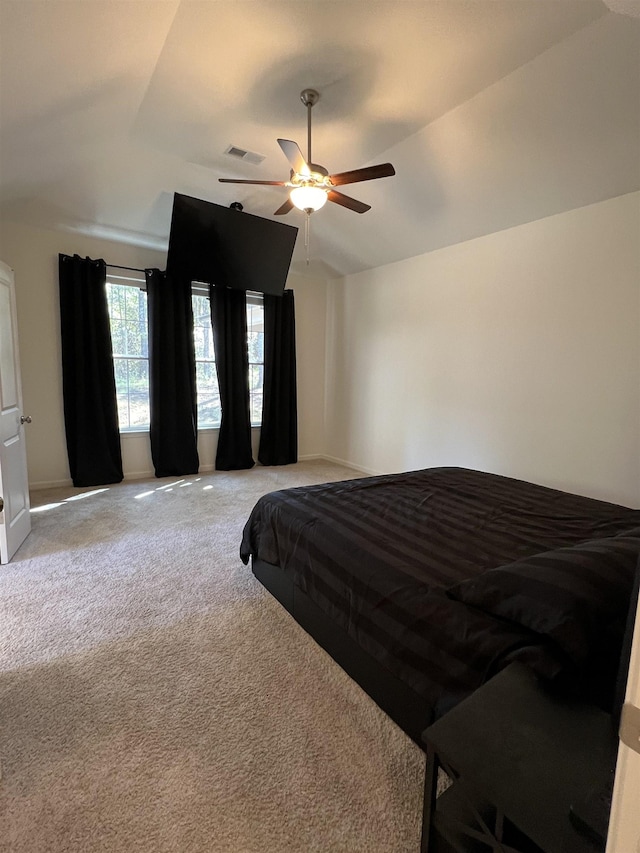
(118, 338)
(115, 299)
(256, 346)
(208, 394)
(139, 393)
(135, 337)
(122, 391)
(255, 378)
(132, 392)
(255, 405)
(199, 340)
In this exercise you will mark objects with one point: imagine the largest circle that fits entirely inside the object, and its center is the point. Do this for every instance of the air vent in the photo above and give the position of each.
(243, 154)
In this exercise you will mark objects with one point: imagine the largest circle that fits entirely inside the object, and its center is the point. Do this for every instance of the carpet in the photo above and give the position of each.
(154, 697)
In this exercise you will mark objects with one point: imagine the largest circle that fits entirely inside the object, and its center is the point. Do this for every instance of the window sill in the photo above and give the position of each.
(134, 433)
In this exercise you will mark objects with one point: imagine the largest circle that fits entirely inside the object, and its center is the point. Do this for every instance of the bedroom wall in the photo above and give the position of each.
(517, 353)
(33, 254)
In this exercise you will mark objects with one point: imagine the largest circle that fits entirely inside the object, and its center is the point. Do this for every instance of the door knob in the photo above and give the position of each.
(25, 419)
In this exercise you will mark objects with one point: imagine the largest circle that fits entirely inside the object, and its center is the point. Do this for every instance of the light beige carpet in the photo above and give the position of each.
(154, 697)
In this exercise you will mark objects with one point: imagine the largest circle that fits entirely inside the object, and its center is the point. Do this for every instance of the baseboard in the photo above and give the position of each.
(49, 484)
(370, 472)
(139, 475)
(151, 475)
(207, 469)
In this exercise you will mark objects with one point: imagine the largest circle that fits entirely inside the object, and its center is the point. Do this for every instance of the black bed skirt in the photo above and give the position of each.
(405, 707)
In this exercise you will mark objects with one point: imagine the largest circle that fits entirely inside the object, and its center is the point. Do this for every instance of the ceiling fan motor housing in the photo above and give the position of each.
(314, 167)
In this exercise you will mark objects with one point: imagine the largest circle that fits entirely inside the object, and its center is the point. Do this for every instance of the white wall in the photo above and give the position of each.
(33, 254)
(517, 353)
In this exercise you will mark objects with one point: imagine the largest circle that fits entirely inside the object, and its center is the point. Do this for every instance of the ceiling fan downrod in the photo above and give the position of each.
(309, 97)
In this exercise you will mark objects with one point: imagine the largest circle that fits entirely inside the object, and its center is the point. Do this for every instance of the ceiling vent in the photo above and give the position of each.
(243, 154)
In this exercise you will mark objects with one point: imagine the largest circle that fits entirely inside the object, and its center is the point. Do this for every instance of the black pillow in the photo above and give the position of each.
(572, 595)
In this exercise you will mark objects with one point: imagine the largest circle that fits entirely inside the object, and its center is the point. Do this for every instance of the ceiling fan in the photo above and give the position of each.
(311, 185)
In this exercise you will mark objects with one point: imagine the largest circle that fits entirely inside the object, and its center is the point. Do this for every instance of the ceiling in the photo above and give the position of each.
(493, 112)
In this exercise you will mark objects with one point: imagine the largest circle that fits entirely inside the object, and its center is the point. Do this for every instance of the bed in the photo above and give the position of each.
(422, 585)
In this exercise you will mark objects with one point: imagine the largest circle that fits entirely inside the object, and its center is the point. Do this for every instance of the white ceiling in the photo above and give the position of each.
(493, 112)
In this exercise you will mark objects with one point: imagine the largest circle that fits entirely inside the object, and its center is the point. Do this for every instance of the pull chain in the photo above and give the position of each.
(307, 233)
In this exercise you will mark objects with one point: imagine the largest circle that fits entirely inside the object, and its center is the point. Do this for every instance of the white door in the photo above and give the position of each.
(624, 827)
(15, 521)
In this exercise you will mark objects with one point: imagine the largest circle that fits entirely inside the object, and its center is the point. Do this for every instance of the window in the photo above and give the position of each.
(206, 377)
(255, 343)
(127, 302)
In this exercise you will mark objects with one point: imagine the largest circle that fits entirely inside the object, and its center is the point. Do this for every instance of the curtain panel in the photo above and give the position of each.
(88, 381)
(229, 322)
(279, 432)
(172, 376)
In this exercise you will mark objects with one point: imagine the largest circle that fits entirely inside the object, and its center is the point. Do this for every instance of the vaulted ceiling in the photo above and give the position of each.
(493, 112)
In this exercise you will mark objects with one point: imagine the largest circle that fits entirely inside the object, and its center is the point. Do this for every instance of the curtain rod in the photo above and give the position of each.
(100, 261)
(131, 269)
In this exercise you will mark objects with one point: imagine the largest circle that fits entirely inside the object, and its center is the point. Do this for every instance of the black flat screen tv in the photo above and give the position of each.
(223, 245)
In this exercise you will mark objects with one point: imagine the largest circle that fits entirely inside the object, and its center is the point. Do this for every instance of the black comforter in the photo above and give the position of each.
(446, 575)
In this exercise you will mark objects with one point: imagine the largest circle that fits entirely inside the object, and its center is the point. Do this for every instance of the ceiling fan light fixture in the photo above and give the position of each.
(308, 198)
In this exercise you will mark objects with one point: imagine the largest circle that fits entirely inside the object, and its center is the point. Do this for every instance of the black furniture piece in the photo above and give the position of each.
(523, 764)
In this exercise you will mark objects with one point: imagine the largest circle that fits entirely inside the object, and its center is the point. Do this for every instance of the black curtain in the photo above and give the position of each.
(279, 432)
(172, 376)
(88, 382)
(229, 321)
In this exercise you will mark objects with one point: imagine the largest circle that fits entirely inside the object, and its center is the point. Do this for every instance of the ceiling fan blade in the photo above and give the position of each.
(263, 183)
(284, 208)
(292, 152)
(346, 201)
(369, 173)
